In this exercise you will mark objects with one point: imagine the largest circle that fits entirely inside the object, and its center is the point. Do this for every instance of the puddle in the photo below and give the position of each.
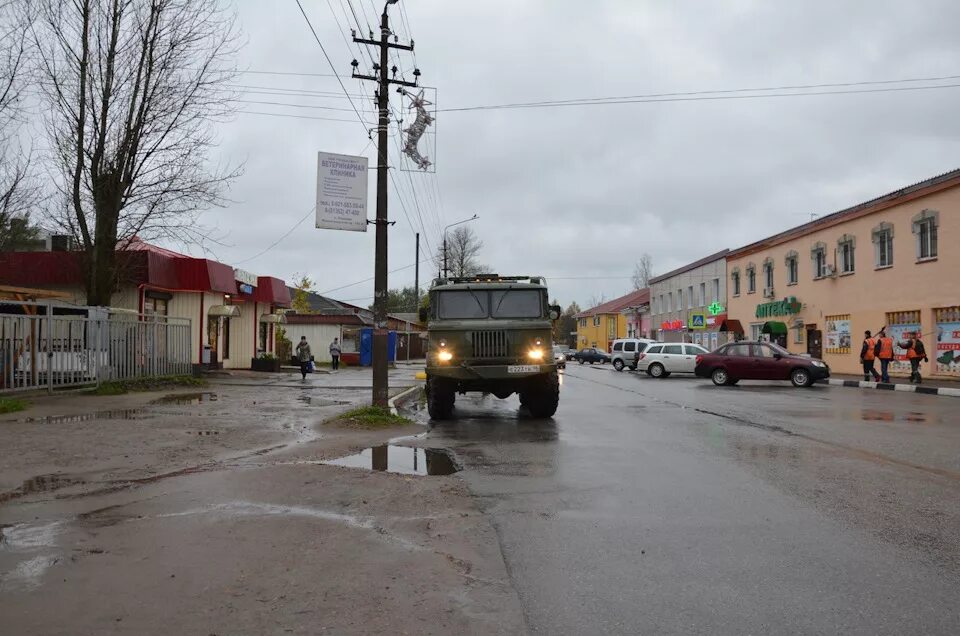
(402, 460)
(40, 483)
(187, 399)
(117, 414)
(313, 401)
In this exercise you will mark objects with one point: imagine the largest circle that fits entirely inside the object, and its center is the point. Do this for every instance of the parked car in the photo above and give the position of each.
(624, 352)
(559, 357)
(661, 359)
(591, 355)
(759, 361)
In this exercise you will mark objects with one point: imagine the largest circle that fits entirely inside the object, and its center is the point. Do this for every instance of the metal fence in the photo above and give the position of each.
(50, 346)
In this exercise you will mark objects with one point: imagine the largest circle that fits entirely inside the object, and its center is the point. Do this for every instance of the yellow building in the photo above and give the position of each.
(601, 325)
(888, 262)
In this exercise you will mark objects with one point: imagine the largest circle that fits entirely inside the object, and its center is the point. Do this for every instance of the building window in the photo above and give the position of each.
(583, 322)
(735, 279)
(596, 321)
(756, 331)
(679, 300)
(703, 295)
(793, 269)
(611, 326)
(768, 277)
(751, 278)
(716, 289)
(925, 228)
(690, 297)
(883, 245)
(845, 250)
(669, 302)
(798, 334)
(819, 255)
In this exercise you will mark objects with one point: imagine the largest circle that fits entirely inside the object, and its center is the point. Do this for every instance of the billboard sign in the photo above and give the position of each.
(341, 192)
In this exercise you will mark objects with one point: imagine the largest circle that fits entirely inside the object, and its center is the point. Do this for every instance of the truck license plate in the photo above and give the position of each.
(523, 368)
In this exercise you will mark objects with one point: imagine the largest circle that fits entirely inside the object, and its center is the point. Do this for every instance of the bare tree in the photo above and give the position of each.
(132, 91)
(463, 246)
(597, 300)
(643, 272)
(18, 192)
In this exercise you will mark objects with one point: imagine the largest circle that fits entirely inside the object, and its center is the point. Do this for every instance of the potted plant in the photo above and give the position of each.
(266, 362)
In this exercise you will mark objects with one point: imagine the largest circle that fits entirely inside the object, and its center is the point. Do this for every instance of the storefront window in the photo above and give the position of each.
(899, 325)
(838, 338)
(226, 338)
(947, 361)
(262, 341)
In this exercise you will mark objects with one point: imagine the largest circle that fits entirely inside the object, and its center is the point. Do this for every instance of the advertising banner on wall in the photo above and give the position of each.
(341, 192)
(901, 333)
(837, 335)
(947, 360)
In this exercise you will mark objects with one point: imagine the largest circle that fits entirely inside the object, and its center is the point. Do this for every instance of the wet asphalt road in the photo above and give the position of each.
(673, 506)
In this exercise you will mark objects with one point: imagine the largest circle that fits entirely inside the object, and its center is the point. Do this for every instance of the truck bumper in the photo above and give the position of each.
(467, 372)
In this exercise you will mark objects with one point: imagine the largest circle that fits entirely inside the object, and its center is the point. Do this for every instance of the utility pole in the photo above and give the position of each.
(381, 391)
(416, 277)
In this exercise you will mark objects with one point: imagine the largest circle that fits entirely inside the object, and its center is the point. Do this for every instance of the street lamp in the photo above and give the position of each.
(472, 218)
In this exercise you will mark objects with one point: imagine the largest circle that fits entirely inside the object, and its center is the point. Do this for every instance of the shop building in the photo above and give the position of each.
(599, 326)
(688, 304)
(233, 314)
(887, 262)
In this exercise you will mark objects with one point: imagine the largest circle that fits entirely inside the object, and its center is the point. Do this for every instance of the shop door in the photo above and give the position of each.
(815, 343)
(213, 338)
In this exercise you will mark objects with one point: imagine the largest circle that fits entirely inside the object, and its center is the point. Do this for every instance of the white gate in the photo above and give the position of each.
(53, 346)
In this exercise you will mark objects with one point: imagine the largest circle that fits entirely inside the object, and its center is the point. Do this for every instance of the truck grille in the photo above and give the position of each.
(489, 344)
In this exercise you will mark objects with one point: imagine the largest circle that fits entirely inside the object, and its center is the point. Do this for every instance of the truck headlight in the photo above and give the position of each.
(444, 356)
(535, 354)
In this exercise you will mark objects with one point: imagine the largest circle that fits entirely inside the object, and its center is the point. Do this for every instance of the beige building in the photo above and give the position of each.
(886, 262)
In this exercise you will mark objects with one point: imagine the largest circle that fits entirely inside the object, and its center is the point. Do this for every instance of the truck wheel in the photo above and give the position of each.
(440, 398)
(543, 397)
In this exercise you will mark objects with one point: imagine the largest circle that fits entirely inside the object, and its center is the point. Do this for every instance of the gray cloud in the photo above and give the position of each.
(580, 191)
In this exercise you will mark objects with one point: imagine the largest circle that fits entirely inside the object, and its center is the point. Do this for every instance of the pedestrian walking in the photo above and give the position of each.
(883, 351)
(915, 354)
(335, 353)
(868, 356)
(303, 356)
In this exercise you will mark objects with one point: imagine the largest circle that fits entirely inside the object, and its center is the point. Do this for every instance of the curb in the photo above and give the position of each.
(392, 402)
(905, 388)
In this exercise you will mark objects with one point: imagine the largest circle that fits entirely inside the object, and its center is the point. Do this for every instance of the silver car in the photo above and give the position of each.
(663, 358)
(559, 357)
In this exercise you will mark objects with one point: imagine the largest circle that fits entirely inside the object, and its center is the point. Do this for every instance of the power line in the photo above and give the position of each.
(717, 95)
(330, 62)
(257, 112)
(367, 280)
(277, 242)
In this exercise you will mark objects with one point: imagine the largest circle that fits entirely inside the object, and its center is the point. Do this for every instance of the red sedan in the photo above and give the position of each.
(759, 361)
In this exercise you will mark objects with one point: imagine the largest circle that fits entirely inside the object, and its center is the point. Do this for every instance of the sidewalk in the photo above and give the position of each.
(936, 386)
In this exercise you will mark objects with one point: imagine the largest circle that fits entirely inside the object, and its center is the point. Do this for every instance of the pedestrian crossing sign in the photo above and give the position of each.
(698, 321)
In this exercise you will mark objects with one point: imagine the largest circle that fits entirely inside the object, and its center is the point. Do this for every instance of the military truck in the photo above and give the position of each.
(491, 334)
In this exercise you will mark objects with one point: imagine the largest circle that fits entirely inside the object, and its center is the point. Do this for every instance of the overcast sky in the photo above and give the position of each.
(581, 191)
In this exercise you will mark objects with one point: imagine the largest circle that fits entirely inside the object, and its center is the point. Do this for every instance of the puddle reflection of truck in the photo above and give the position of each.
(491, 334)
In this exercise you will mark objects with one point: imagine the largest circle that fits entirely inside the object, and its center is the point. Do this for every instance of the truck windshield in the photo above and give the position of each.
(461, 305)
(478, 303)
(517, 303)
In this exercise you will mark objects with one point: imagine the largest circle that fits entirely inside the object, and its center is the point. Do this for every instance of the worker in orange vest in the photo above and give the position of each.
(884, 352)
(868, 355)
(915, 353)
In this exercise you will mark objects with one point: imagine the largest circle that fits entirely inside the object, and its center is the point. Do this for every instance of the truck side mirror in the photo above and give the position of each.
(555, 312)
(423, 314)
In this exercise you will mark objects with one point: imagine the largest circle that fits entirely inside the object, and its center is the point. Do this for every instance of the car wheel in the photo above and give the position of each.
(656, 370)
(800, 377)
(720, 377)
(618, 364)
(580, 361)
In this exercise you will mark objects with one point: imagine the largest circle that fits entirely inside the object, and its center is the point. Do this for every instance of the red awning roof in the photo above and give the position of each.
(272, 290)
(201, 274)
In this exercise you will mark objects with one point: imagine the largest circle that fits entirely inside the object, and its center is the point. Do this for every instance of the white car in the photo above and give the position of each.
(624, 351)
(559, 357)
(663, 358)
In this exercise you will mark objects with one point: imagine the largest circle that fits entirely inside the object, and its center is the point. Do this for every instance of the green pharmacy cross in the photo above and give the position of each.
(716, 308)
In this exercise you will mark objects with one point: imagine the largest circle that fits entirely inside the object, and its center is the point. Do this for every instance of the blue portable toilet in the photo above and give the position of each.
(366, 346)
